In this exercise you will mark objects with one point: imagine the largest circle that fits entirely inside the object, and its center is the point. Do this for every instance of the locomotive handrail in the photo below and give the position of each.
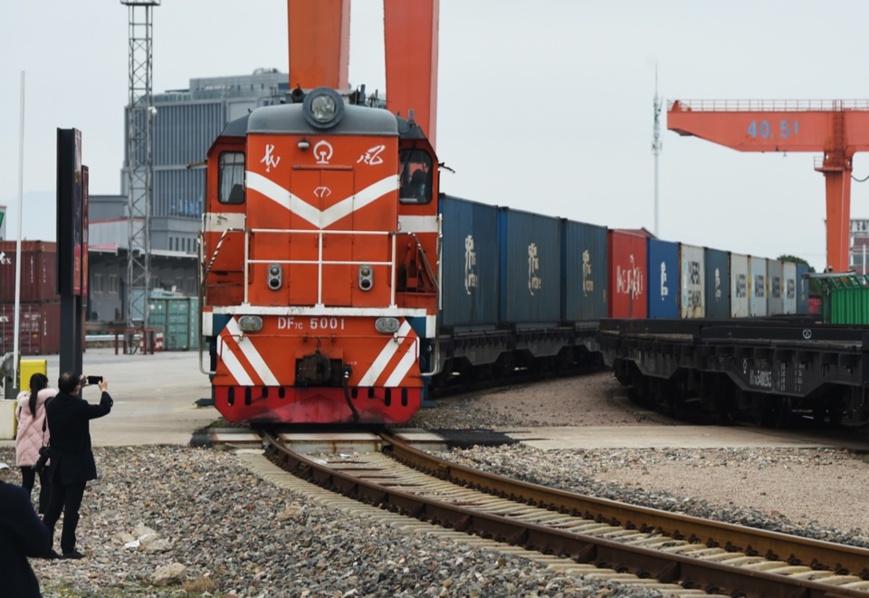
(202, 282)
(319, 262)
(425, 263)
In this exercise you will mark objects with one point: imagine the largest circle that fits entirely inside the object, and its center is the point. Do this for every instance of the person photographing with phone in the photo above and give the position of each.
(72, 462)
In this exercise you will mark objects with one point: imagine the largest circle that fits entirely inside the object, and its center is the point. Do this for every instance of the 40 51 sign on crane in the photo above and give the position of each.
(783, 129)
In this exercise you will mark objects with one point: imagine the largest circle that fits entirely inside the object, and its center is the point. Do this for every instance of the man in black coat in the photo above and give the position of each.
(72, 460)
(21, 535)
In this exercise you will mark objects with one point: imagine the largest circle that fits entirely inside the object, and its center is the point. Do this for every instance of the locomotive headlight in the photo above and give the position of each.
(386, 325)
(250, 323)
(275, 276)
(323, 108)
(366, 278)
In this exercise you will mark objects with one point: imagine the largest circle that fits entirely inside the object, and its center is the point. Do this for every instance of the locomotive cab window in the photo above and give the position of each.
(231, 178)
(415, 176)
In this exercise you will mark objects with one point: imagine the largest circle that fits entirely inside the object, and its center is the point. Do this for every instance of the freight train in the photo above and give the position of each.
(339, 285)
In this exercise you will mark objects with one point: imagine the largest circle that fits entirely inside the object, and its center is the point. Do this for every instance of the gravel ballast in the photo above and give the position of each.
(179, 521)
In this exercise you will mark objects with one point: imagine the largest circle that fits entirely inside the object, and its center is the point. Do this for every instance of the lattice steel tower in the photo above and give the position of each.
(657, 144)
(140, 167)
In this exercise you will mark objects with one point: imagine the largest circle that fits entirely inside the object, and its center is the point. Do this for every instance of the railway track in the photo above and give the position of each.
(687, 554)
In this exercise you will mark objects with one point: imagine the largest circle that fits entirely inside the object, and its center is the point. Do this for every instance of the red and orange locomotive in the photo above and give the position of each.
(320, 257)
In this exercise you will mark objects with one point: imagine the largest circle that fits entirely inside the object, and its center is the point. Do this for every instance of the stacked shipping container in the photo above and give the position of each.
(39, 315)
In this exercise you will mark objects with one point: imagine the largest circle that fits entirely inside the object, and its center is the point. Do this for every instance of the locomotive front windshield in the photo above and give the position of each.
(415, 177)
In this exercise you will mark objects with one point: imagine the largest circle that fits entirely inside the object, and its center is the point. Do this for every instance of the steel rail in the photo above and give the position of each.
(795, 550)
(667, 567)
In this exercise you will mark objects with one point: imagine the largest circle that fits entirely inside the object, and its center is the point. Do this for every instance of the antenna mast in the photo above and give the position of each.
(140, 165)
(657, 145)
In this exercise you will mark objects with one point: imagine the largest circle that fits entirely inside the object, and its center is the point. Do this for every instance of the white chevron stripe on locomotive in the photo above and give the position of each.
(408, 359)
(382, 360)
(229, 359)
(246, 347)
(329, 216)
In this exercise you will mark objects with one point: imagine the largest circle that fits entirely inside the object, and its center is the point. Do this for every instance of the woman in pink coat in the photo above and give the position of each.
(32, 435)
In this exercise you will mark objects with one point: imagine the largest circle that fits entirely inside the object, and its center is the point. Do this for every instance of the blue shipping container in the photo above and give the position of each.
(530, 268)
(584, 259)
(663, 279)
(469, 278)
(802, 289)
(717, 284)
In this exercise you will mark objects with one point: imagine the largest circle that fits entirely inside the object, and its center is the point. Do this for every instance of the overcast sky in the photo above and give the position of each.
(544, 106)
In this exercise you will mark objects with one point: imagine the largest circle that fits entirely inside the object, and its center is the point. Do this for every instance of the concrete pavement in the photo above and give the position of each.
(155, 404)
(154, 396)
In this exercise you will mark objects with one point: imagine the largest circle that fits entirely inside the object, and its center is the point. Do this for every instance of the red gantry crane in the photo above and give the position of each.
(319, 50)
(838, 128)
(319, 43)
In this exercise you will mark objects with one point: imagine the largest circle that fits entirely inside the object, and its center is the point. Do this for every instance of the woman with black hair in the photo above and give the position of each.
(32, 435)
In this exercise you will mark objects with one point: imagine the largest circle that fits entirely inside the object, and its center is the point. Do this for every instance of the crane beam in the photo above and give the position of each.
(837, 128)
(319, 43)
(410, 32)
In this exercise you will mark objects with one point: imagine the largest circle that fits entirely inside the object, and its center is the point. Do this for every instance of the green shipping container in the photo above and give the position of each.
(847, 300)
(176, 317)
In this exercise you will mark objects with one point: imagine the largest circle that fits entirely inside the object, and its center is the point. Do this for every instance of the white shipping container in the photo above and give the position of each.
(739, 282)
(758, 290)
(775, 286)
(693, 274)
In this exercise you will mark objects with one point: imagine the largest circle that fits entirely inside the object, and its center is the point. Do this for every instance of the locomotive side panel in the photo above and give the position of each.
(584, 259)
(224, 221)
(663, 279)
(717, 288)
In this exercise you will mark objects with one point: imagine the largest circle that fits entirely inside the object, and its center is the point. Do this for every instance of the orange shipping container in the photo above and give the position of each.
(38, 271)
(39, 328)
(628, 259)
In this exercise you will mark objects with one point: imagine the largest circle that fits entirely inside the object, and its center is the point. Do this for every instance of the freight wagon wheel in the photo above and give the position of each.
(819, 414)
(641, 392)
(664, 399)
(725, 411)
(783, 413)
(761, 410)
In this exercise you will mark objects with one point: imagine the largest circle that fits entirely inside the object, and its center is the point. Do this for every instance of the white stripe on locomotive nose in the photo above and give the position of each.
(246, 345)
(329, 216)
(385, 356)
(403, 366)
(227, 355)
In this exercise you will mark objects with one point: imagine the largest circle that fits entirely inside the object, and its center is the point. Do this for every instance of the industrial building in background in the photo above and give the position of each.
(185, 122)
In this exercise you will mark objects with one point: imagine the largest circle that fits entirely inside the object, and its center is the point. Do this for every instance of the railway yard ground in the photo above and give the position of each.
(166, 519)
